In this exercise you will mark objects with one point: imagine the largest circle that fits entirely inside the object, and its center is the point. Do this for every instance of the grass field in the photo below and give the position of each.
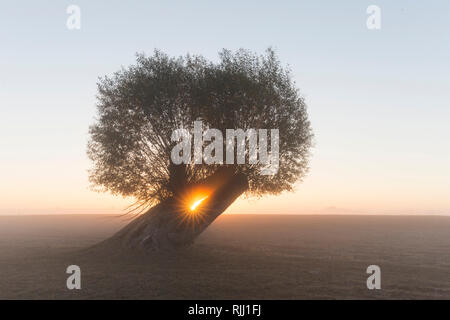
(238, 257)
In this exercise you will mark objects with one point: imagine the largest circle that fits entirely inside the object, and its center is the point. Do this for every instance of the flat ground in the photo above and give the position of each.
(238, 257)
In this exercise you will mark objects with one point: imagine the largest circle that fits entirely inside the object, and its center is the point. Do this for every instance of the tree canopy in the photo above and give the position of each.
(140, 106)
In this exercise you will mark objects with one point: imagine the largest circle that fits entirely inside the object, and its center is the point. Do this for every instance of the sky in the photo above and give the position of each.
(378, 99)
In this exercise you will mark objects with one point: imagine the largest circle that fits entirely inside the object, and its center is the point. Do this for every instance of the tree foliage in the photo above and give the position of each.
(140, 106)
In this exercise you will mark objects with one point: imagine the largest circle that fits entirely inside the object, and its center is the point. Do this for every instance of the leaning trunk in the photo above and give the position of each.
(172, 224)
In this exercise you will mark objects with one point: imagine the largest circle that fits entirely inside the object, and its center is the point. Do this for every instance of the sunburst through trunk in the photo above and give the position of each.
(175, 223)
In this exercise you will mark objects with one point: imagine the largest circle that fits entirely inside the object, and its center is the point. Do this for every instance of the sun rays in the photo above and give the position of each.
(192, 207)
(197, 203)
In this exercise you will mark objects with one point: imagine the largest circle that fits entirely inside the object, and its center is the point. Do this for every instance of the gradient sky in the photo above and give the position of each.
(379, 100)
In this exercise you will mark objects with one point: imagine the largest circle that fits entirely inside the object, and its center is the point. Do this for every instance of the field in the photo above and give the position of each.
(238, 257)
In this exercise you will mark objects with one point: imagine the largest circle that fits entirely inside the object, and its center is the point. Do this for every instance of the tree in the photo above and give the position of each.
(139, 108)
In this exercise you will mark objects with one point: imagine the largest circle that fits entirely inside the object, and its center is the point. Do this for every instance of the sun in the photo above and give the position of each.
(197, 203)
(193, 207)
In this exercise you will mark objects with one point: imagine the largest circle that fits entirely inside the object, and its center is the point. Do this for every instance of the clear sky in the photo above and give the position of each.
(379, 100)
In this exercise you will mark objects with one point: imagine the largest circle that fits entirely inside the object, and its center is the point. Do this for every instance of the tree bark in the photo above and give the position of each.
(172, 224)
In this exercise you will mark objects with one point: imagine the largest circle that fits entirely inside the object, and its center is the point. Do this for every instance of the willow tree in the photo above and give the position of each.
(141, 106)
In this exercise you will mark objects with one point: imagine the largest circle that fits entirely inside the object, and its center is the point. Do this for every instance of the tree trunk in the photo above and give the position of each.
(172, 224)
